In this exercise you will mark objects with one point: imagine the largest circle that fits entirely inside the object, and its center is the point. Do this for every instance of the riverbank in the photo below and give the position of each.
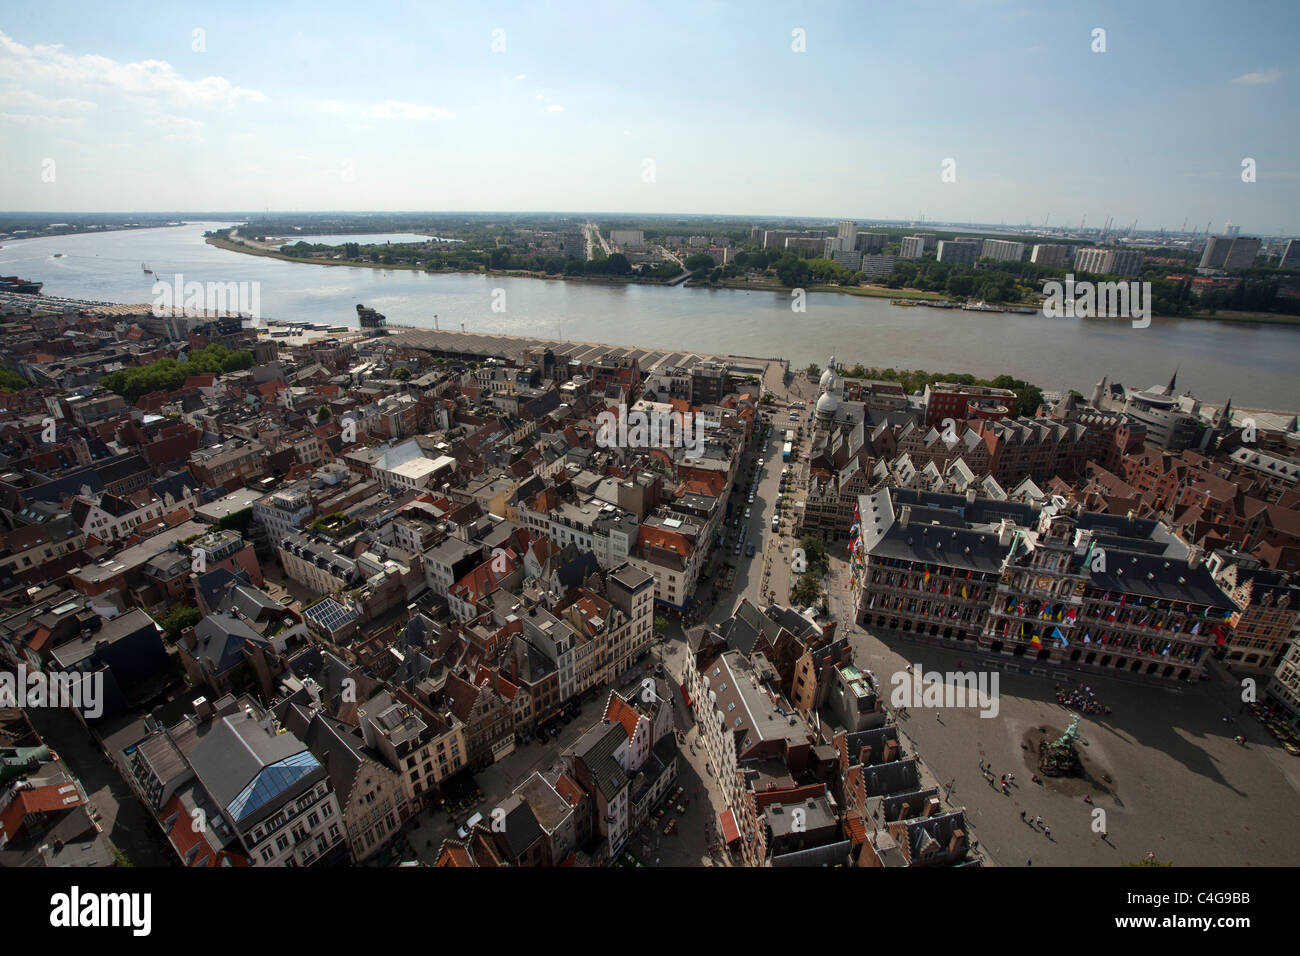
(263, 252)
(765, 284)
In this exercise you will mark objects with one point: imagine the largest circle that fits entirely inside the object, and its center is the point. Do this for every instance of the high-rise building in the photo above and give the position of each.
(850, 259)
(1050, 254)
(630, 238)
(1242, 253)
(848, 232)
(871, 241)
(877, 267)
(1291, 255)
(1216, 252)
(911, 247)
(1126, 262)
(1002, 250)
(1109, 262)
(959, 252)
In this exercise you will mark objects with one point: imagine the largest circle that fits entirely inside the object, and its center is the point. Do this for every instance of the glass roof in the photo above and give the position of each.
(273, 780)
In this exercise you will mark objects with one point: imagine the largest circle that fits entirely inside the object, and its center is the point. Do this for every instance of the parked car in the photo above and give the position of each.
(470, 824)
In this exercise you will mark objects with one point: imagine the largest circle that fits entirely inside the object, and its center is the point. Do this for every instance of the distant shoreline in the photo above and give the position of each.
(762, 285)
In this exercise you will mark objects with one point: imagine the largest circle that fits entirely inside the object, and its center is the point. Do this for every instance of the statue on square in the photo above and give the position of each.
(1059, 758)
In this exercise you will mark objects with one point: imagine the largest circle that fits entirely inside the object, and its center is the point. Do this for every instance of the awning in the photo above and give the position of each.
(730, 832)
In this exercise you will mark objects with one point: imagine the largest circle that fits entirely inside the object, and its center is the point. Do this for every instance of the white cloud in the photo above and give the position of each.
(392, 109)
(555, 108)
(173, 122)
(522, 76)
(1260, 77)
(35, 100)
(39, 119)
(47, 65)
(332, 106)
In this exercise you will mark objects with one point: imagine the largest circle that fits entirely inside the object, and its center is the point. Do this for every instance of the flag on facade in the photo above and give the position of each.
(1056, 633)
(1035, 641)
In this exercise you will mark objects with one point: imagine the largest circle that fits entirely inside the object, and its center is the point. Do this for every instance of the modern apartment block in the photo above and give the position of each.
(871, 241)
(847, 233)
(1111, 262)
(1229, 252)
(628, 238)
(959, 251)
(911, 247)
(1290, 255)
(1051, 254)
(877, 267)
(1002, 250)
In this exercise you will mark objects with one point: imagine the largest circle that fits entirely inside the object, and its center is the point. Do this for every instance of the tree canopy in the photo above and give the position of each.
(167, 374)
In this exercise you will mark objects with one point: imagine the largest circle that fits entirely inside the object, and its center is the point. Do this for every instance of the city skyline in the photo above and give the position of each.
(829, 114)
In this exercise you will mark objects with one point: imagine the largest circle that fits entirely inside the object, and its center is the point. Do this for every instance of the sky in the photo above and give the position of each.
(837, 110)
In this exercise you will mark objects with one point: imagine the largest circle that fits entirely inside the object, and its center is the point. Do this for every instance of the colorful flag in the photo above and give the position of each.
(1056, 633)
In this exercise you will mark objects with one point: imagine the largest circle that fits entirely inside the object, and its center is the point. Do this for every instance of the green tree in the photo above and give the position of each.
(323, 413)
(806, 591)
(793, 271)
(814, 550)
(177, 619)
(11, 381)
(402, 374)
(698, 261)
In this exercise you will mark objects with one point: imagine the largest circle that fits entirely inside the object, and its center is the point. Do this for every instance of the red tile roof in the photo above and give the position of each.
(47, 799)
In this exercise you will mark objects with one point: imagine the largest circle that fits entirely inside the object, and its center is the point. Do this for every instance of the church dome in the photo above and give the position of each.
(828, 404)
(828, 379)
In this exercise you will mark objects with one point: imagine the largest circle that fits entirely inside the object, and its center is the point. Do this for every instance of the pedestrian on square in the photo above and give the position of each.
(1022, 816)
(1047, 831)
(1038, 821)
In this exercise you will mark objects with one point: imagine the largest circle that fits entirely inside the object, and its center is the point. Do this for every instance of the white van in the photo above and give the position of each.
(470, 824)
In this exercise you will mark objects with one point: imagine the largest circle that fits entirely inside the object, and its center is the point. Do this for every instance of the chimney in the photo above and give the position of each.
(957, 844)
(864, 756)
(202, 708)
(891, 751)
(932, 807)
(1195, 555)
(1005, 532)
(970, 495)
(904, 516)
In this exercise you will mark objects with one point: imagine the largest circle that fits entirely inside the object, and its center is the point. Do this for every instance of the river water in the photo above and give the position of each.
(1255, 364)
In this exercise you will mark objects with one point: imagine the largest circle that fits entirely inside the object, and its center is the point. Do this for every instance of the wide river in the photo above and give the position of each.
(1255, 364)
